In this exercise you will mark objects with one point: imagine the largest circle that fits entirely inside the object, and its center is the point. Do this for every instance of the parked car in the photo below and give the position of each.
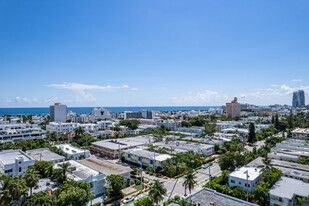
(128, 199)
(207, 165)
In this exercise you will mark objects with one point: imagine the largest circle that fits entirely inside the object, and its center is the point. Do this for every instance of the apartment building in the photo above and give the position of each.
(15, 162)
(145, 157)
(286, 191)
(112, 148)
(58, 112)
(233, 109)
(183, 146)
(245, 177)
(300, 133)
(83, 173)
(44, 154)
(73, 152)
(13, 132)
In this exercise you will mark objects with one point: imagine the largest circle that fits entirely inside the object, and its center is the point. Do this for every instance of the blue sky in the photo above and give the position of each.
(152, 53)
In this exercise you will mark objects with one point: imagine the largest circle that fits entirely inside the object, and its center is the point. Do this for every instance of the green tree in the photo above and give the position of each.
(260, 193)
(32, 178)
(189, 182)
(40, 198)
(239, 193)
(130, 123)
(17, 188)
(302, 201)
(79, 131)
(252, 135)
(61, 173)
(266, 167)
(157, 192)
(144, 202)
(116, 183)
(276, 123)
(44, 168)
(186, 124)
(210, 128)
(5, 195)
(52, 136)
(73, 193)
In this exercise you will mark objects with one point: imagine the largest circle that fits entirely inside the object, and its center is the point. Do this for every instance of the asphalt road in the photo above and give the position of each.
(202, 177)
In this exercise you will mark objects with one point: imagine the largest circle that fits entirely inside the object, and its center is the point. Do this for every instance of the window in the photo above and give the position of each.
(280, 199)
(129, 155)
(232, 181)
(151, 162)
(20, 169)
(139, 158)
(239, 183)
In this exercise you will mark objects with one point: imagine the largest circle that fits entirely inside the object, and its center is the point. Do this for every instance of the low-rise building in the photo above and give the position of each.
(145, 157)
(289, 169)
(245, 177)
(286, 191)
(300, 133)
(14, 162)
(14, 132)
(183, 146)
(112, 148)
(107, 167)
(210, 197)
(73, 152)
(83, 173)
(60, 127)
(44, 154)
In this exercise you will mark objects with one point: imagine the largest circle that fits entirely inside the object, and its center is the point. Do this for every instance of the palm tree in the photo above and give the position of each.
(79, 131)
(157, 192)
(225, 189)
(189, 182)
(267, 165)
(65, 168)
(18, 188)
(32, 178)
(5, 198)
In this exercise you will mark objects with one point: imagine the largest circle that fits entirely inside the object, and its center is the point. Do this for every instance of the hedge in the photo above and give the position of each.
(112, 199)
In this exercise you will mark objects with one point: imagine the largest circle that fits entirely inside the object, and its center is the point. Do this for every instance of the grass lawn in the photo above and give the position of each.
(137, 187)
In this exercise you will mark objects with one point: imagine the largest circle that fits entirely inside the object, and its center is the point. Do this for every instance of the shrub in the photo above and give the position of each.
(112, 199)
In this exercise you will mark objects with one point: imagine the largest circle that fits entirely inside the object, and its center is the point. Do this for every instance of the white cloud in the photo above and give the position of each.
(79, 87)
(206, 97)
(80, 90)
(296, 80)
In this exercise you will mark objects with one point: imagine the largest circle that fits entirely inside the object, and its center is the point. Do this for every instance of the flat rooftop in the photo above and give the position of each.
(105, 167)
(287, 187)
(9, 156)
(301, 131)
(207, 196)
(69, 149)
(44, 154)
(253, 173)
(149, 154)
(118, 143)
(82, 172)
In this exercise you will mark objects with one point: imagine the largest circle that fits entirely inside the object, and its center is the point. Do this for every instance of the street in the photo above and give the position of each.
(202, 177)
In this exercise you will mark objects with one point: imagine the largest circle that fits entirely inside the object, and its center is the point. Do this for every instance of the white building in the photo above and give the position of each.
(300, 133)
(286, 191)
(140, 114)
(99, 114)
(44, 154)
(58, 112)
(83, 173)
(13, 132)
(73, 152)
(60, 127)
(105, 124)
(239, 178)
(14, 162)
(145, 157)
(182, 146)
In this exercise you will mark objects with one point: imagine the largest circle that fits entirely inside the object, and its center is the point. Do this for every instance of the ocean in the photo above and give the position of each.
(79, 110)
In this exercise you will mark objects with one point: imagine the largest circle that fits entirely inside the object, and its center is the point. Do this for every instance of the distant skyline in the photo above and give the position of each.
(152, 53)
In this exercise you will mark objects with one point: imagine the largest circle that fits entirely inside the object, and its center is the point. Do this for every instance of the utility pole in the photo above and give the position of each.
(247, 176)
(141, 175)
(154, 161)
